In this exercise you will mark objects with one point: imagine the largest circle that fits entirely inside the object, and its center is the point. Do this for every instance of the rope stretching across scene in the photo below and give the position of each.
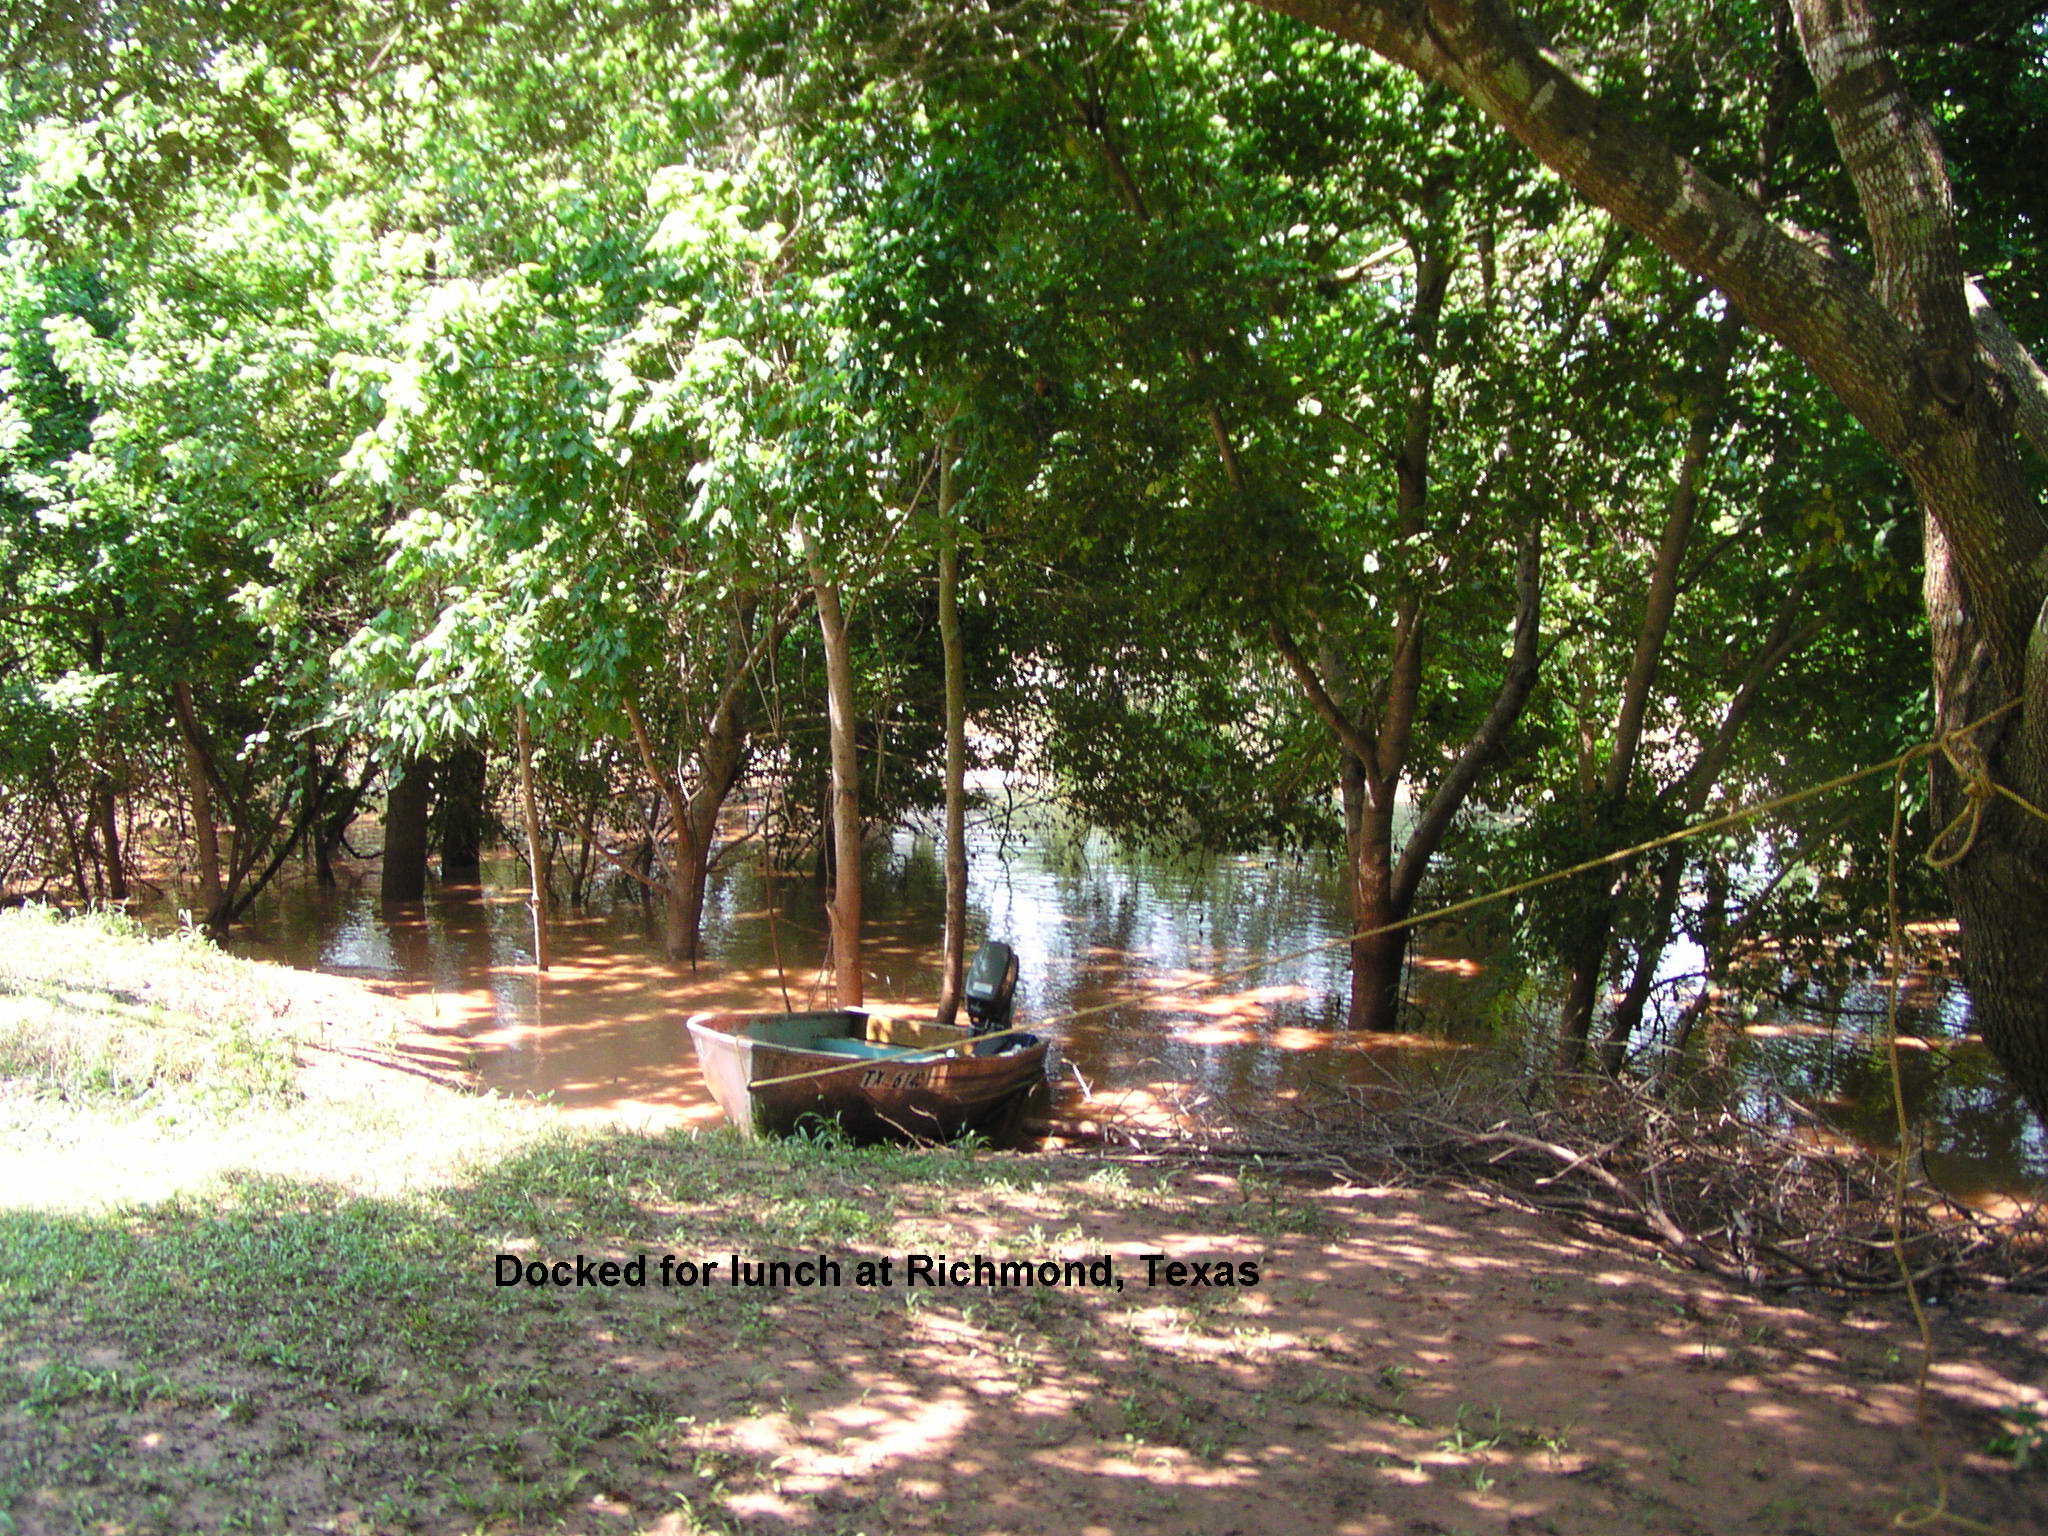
(1978, 787)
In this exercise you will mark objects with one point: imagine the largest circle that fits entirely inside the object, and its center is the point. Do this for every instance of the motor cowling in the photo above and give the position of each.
(991, 987)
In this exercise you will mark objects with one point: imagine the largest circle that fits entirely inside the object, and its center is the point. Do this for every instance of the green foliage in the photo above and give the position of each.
(373, 373)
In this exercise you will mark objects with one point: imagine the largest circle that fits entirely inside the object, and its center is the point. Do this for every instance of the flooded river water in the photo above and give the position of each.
(1091, 924)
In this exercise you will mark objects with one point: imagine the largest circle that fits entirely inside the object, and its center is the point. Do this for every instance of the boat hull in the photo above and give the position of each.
(869, 1091)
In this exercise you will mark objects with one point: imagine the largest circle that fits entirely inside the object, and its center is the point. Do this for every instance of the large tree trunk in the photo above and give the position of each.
(199, 789)
(850, 983)
(2000, 886)
(953, 969)
(405, 832)
(1899, 347)
(462, 814)
(689, 873)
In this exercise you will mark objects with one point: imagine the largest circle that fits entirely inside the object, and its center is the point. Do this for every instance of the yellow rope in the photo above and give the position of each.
(1941, 743)
(1938, 1511)
(1979, 790)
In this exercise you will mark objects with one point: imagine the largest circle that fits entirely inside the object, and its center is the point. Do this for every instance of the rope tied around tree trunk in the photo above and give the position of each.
(1979, 790)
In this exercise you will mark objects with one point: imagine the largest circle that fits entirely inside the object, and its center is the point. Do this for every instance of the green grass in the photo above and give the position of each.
(232, 1298)
(373, 1326)
(94, 1009)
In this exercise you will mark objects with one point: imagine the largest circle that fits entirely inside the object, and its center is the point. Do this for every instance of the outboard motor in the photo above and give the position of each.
(991, 988)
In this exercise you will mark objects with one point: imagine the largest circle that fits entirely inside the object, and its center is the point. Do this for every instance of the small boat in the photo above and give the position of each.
(878, 1079)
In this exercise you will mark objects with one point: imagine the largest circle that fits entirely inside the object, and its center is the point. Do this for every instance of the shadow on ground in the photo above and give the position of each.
(285, 1356)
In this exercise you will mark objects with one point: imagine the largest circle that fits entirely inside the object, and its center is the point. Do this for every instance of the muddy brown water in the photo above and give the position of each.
(602, 1032)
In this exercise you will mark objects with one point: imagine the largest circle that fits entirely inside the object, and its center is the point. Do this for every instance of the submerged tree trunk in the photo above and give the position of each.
(462, 814)
(1588, 960)
(1627, 1017)
(1714, 947)
(952, 971)
(1377, 957)
(849, 981)
(689, 872)
(1383, 886)
(1689, 803)
(338, 803)
(405, 831)
(536, 843)
(199, 789)
(720, 757)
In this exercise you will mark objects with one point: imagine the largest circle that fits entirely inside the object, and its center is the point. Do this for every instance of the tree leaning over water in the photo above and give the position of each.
(1914, 349)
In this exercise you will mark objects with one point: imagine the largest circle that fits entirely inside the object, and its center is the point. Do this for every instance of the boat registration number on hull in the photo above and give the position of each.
(876, 1077)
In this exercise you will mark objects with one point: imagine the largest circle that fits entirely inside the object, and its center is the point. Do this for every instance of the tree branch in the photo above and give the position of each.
(1348, 735)
(2015, 365)
(1508, 703)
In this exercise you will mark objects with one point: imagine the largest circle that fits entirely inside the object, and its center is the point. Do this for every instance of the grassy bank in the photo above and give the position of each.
(273, 1307)
(135, 1068)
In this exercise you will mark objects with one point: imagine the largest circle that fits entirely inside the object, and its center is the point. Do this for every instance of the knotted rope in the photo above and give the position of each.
(1979, 790)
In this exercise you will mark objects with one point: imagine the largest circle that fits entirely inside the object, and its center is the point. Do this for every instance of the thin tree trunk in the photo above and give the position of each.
(199, 787)
(1628, 1008)
(536, 844)
(846, 829)
(1588, 961)
(106, 820)
(953, 970)
(73, 842)
(1714, 946)
(1689, 802)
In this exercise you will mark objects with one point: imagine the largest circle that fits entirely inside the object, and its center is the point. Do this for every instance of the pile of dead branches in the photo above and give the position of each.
(1767, 1200)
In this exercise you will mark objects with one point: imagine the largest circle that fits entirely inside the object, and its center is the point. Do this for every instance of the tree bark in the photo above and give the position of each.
(953, 970)
(406, 805)
(106, 825)
(694, 807)
(462, 814)
(1688, 803)
(1383, 888)
(536, 843)
(849, 981)
(1377, 958)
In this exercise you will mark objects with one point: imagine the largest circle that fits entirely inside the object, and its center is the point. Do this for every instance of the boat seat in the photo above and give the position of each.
(843, 1045)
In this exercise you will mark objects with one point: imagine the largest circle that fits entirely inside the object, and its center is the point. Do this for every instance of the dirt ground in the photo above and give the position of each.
(1411, 1362)
(280, 1352)
(1414, 1362)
